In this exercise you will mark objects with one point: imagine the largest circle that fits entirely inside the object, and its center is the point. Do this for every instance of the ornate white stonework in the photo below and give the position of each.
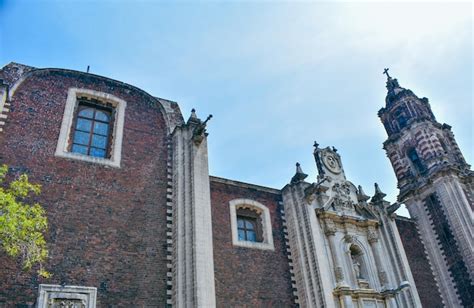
(346, 252)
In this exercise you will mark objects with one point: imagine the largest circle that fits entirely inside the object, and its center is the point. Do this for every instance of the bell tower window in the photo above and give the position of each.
(415, 159)
(401, 119)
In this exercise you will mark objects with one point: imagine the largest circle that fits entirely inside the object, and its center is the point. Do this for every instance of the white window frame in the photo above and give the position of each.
(68, 119)
(264, 212)
(48, 292)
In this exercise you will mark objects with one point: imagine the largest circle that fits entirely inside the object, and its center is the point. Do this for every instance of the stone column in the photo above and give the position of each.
(330, 231)
(392, 302)
(347, 300)
(373, 239)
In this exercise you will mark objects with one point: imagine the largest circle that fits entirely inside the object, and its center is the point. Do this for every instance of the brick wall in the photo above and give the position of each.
(107, 225)
(419, 265)
(248, 277)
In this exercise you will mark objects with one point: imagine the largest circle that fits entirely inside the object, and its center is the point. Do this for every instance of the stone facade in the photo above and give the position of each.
(147, 226)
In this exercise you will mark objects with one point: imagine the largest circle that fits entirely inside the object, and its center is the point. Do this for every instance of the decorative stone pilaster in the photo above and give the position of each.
(373, 238)
(330, 231)
(313, 276)
(193, 265)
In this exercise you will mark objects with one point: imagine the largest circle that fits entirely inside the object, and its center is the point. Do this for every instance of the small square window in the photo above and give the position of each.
(251, 224)
(247, 228)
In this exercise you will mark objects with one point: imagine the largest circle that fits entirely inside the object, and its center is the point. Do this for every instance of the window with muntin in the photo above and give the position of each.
(92, 129)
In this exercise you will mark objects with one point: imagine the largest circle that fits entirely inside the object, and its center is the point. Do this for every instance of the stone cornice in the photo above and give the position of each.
(417, 188)
(362, 293)
(344, 219)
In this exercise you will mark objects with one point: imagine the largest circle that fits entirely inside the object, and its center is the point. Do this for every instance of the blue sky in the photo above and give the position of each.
(276, 76)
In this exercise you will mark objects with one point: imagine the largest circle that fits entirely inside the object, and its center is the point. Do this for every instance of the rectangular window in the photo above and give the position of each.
(92, 130)
(247, 228)
(251, 225)
(92, 127)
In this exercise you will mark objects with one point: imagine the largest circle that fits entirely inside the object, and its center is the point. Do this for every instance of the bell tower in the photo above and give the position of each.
(436, 185)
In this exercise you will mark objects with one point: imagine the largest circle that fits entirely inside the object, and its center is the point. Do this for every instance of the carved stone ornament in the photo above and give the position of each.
(66, 303)
(383, 277)
(372, 235)
(329, 227)
(331, 162)
(349, 238)
(339, 273)
(342, 196)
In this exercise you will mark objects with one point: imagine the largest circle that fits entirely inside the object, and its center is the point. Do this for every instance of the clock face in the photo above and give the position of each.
(331, 162)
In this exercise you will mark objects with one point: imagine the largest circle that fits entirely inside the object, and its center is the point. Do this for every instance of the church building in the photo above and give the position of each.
(136, 220)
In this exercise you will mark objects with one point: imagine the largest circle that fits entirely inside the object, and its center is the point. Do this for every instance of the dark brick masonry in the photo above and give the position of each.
(419, 265)
(248, 277)
(107, 225)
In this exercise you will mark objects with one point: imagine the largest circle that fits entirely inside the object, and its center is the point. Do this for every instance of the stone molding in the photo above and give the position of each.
(68, 118)
(48, 293)
(263, 211)
(289, 256)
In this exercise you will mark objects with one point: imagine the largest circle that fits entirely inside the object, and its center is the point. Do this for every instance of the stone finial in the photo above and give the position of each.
(361, 196)
(299, 175)
(379, 195)
(199, 131)
(193, 117)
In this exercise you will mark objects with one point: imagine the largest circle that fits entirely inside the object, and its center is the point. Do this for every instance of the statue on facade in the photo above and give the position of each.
(356, 266)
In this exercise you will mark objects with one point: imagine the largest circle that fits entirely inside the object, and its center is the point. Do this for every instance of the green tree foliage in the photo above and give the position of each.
(22, 224)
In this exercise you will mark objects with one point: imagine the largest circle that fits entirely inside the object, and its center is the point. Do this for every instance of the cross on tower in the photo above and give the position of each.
(385, 72)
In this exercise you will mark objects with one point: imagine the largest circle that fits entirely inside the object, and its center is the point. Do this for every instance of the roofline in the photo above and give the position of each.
(243, 184)
(158, 101)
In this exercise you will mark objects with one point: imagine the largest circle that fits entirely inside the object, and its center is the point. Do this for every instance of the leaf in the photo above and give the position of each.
(22, 225)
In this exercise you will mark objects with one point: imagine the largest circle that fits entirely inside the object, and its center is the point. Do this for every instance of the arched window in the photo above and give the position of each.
(401, 118)
(415, 159)
(250, 224)
(443, 144)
